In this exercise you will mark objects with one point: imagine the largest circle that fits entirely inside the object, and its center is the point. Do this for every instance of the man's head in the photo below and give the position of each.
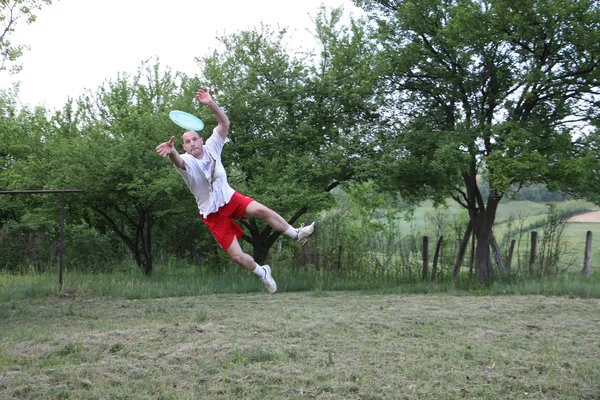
(192, 143)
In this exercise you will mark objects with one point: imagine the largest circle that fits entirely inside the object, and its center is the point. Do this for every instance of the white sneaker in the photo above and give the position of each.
(304, 232)
(268, 280)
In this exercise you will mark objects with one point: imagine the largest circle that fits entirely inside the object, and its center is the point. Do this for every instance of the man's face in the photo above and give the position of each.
(192, 143)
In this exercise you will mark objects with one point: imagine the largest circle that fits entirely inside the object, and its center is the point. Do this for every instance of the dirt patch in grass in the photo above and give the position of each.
(302, 345)
(587, 217)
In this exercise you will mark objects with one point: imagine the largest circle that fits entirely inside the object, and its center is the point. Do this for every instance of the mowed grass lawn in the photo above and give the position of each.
(309, 345)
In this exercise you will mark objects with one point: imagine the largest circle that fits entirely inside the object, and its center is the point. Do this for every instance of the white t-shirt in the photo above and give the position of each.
(206, 178)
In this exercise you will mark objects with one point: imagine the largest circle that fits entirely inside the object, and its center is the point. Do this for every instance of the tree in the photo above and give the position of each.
(290, 124)
(12, 11)
(500, 88)
(106, 147)
(24, 220)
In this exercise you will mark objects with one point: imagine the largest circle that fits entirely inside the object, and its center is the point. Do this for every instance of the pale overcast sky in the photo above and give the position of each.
(78, 44)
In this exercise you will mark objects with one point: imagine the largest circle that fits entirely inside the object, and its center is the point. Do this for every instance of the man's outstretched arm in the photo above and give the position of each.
(222, 121)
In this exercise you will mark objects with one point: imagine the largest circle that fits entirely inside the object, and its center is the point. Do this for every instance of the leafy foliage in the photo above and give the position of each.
(500, 88)
(11, 12)
(292, 125)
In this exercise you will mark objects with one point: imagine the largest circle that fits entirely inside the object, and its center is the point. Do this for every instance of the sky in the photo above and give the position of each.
(78, 44)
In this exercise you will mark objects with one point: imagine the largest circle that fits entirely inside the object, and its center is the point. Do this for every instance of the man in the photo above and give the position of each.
(202, 170)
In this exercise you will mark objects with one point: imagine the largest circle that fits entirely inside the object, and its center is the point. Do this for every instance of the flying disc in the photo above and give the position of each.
(186, 120)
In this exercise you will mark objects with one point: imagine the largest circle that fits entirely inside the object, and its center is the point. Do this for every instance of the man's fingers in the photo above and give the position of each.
(164, 148)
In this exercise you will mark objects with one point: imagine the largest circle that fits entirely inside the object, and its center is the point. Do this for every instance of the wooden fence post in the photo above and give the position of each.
(62, 220)
(62, 239)
(532, 254)
(425, 257)
(588, 255)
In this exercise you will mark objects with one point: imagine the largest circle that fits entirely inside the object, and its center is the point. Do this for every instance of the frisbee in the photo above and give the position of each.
(186, 120)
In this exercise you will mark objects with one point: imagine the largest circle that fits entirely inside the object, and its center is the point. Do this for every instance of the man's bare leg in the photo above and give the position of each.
(276, 221)
(247, 262)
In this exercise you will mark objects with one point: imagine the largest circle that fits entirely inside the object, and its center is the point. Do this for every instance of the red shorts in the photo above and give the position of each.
(222, 224)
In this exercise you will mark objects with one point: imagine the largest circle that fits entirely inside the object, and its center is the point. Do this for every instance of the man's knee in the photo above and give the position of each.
(236, 254)
(237, 258)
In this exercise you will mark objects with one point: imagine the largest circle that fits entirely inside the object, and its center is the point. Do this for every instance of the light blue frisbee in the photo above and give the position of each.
(186, 120)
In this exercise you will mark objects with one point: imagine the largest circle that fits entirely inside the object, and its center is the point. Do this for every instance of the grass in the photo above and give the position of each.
(572, 245)
(574, 237)
(321, 344)
(167, 281)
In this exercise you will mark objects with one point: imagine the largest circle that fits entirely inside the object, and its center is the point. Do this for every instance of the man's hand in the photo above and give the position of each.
(222, 121)
(166, 148)
(203, 96)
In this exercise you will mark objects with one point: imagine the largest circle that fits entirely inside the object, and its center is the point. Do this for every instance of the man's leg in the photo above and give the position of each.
(239, 257)
(276, 221)
(246, 261)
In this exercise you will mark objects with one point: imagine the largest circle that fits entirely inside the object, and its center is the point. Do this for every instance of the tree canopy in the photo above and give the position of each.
(501, 88)
(293, 128)
(422, 98)
(292, 132)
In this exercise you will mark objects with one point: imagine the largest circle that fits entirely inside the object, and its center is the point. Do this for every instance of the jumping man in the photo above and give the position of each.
(203, 172)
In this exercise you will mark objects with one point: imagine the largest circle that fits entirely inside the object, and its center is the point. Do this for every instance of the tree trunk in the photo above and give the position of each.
(462, 250)
(436, 258)
(498, 256)
(141, 245)
(263, 239)
(148, 253)
(483, 261)
(260, 253)
(483, 223)
(472, 260)
(510, 254)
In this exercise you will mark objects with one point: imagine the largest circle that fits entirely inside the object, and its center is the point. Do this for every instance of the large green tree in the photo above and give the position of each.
(106, 146)
(292, 125)
(502, 88)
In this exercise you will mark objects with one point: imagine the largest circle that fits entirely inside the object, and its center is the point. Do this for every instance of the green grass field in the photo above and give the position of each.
(322, 345)
(183, 333)
(572, 242)
(575, 234)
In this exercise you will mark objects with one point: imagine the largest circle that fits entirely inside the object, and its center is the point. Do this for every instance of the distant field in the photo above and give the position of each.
(525, 213)
(572, 240)
(574, 237)
(514, 210)
(517, 209)
(321, 345)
